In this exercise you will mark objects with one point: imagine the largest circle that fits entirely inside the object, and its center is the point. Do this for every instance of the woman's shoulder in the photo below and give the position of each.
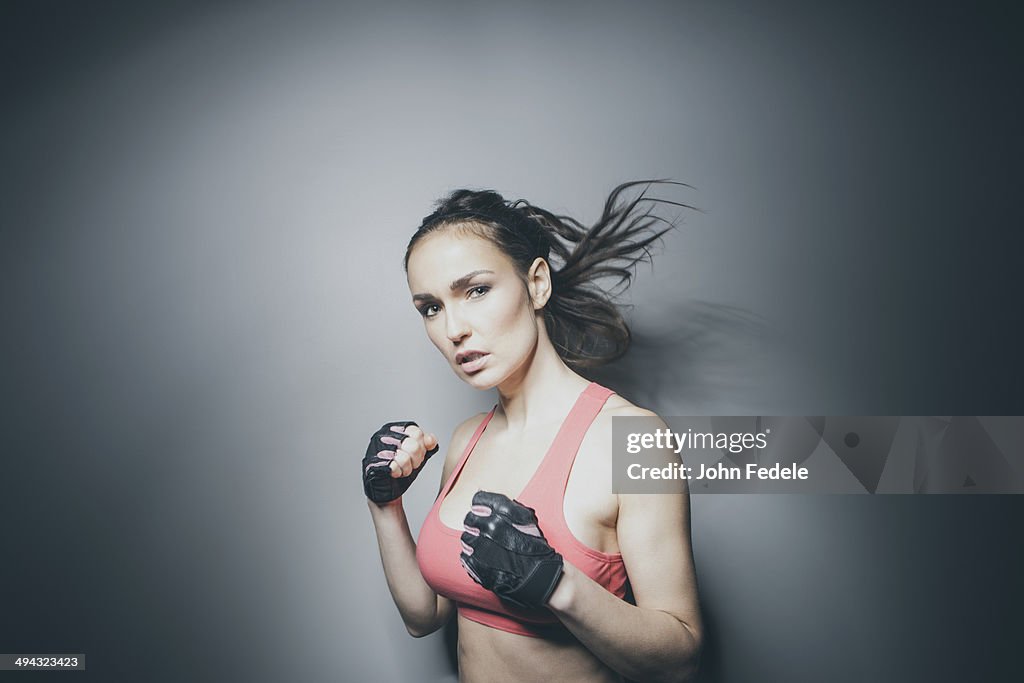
(619, 406)
(600, 431)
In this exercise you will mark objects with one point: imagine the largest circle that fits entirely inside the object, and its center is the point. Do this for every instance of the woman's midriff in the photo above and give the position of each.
(488, 655)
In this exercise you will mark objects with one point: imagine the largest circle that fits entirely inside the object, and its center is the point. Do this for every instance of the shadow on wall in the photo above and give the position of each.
(713, 359)
(710, 359)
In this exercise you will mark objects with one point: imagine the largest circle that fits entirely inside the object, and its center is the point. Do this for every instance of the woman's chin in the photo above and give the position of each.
(482, 380)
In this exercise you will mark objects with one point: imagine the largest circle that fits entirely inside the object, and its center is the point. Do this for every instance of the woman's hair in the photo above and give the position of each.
(582, 318)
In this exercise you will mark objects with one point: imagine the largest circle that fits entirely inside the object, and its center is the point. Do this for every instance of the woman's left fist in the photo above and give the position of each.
(505, 551)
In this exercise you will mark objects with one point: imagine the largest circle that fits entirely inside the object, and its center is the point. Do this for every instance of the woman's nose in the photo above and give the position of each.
(456, 327)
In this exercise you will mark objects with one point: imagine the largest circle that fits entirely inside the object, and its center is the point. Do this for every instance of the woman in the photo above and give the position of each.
(526, 541)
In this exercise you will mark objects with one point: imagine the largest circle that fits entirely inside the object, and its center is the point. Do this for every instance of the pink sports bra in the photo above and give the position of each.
(438, 546)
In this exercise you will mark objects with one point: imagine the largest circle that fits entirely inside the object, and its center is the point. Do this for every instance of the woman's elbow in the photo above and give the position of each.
(686, 667)
(685, 672)
(419, 631)
(688, 671)
(424, 627)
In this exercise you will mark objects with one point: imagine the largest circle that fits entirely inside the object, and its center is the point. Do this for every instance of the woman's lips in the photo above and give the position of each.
(475, 364)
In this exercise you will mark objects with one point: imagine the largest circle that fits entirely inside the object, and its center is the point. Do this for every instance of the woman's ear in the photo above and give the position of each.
(538, 281)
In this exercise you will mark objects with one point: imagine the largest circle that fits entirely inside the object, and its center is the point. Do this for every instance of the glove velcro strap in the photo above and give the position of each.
(535, 589)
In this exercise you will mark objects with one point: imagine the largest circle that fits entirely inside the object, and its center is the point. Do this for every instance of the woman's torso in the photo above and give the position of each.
(509, 464)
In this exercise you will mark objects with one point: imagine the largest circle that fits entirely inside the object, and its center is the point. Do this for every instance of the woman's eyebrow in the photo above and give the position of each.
(456, 284)
(464, 280)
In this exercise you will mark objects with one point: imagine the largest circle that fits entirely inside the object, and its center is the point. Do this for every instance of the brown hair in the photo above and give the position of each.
(582, 319)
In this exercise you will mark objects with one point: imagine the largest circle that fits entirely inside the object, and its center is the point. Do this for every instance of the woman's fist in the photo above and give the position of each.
(396, 454)
(504, 550)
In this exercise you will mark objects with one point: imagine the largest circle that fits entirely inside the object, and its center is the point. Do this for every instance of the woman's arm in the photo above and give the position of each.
(658, 639)
(422, 610)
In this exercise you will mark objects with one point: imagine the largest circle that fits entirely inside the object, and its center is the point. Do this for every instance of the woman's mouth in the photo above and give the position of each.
(473, 362)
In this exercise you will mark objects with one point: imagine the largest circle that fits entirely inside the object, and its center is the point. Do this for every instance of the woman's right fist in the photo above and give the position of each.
(396, 454)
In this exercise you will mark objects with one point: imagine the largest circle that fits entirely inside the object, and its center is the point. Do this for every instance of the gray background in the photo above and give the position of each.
(204, 316)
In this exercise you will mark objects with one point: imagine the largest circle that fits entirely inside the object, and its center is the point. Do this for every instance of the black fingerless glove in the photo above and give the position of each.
(378, 484)
(505, 552)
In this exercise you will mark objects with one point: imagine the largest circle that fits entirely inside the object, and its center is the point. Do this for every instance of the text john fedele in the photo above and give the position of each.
(735, 442)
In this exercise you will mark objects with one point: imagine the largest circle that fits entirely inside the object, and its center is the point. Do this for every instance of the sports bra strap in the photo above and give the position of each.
(551, 479)
(553, 471)
(465, 453)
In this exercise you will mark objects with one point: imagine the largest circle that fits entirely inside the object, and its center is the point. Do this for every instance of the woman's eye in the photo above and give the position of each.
(478, 292)
(430, 310)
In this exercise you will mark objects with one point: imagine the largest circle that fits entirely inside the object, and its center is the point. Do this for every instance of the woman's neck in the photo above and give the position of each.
(539, 393)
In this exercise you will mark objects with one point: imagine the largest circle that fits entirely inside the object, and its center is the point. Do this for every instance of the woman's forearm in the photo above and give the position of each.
(416, 601)
(639, 643)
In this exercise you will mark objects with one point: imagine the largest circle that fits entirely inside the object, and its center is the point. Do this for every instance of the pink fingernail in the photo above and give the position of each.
(470, 571)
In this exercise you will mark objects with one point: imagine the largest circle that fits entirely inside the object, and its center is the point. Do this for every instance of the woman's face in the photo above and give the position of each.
(476, 309)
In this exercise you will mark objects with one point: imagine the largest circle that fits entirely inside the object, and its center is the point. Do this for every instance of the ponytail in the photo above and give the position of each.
(582, 318)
